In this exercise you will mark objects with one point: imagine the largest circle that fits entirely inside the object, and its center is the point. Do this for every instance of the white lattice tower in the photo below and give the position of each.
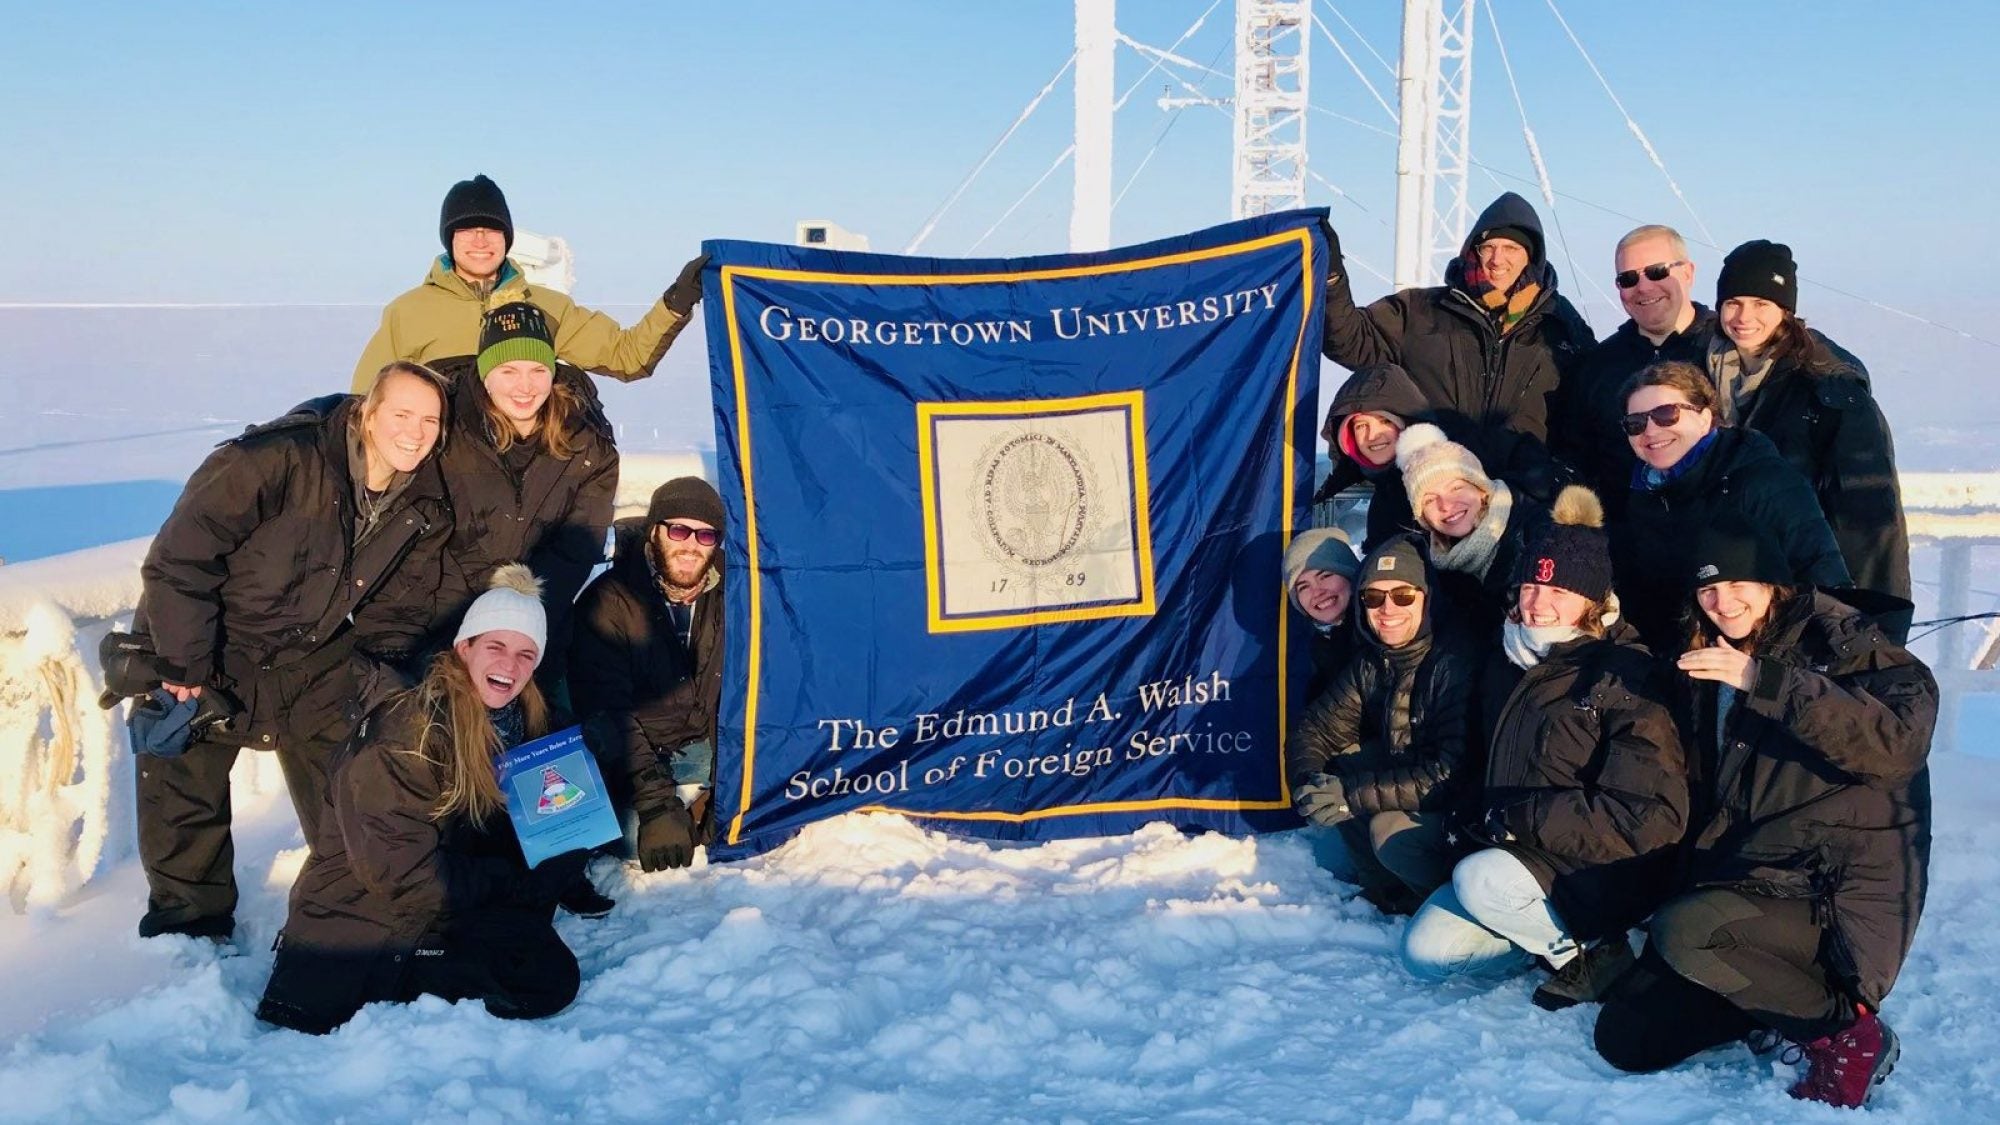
(1433, 152)
(1451, 211)
(1271, 87)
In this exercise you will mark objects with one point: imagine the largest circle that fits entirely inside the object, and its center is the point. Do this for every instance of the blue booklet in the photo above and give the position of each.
(556, 797)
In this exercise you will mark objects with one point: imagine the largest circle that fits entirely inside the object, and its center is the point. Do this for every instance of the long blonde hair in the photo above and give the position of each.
(458, 734)
(561, 413)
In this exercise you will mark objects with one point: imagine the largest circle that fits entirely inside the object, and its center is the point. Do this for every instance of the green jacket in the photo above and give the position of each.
(440, 319)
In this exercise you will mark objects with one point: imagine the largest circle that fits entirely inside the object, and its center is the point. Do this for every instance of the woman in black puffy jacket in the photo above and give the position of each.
(1586, 784)
(1808, 865)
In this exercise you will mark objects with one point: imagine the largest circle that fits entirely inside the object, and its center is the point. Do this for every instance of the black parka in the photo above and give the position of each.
(1585, 772)
(642, 693)
(386, 876)
(1448, 342)
(1818, 785)
(1398, 726)
(554, 517)
(258, 582)
(1740, 474)
(1823, 419)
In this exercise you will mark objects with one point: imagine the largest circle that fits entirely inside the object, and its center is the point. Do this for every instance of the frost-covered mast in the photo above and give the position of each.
(1096, 42)
(1271, 85)
(1433, 151)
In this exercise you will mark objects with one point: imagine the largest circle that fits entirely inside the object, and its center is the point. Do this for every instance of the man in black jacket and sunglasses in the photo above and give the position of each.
(645, 668)
(1655, 277)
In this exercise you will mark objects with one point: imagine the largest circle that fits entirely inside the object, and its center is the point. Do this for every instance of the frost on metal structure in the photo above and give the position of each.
(1433, 151)
(545, 259)
(1096, 46)
(1271, 87)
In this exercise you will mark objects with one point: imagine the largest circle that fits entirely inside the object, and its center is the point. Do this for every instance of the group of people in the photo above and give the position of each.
(388, 590)
(1623, 648)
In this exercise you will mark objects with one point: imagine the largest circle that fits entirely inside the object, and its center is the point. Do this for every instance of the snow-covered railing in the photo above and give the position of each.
(1959, 513)
(65, 767)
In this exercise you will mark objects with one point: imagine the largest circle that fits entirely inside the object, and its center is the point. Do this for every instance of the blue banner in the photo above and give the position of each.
(1004, 536)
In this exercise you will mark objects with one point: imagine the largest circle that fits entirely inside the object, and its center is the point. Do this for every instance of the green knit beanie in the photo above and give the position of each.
(516, 331)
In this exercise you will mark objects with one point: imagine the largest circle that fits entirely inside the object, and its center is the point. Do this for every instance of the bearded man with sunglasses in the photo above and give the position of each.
(645, 669)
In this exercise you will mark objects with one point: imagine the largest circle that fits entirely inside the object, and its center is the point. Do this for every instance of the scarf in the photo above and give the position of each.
(1736, 377)
(1474, 554)
(1527, 645)
(1506, 309)
(1646, 478)
(509, 723)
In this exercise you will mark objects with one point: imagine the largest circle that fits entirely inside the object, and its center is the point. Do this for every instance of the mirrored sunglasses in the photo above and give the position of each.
(1665, 417)
(1658, 271)
(706, 536)
(1401, 595)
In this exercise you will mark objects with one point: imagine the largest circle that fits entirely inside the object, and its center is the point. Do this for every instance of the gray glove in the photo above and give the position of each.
(1323, 800)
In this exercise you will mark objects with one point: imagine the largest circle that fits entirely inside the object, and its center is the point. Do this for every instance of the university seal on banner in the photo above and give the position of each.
(1035, 511)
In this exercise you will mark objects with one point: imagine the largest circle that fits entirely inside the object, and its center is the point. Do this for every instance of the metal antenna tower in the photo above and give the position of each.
(1433, 152)
(1272, 75)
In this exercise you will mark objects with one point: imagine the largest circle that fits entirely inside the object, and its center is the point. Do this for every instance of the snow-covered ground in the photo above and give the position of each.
(870, 971)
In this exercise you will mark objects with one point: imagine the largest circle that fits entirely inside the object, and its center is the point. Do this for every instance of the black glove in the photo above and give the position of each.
(666, 839)
(1333, 255)
(685, 292)
(1323, 800)
(547, 880)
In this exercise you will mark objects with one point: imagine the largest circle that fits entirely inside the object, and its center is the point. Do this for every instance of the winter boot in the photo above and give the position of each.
(584, 900)
(1844, 1068)
(216, 928)
(1587, 977)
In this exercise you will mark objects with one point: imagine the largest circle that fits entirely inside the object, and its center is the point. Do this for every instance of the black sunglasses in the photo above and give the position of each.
(706, 536)
(1665, 417)
(1658, 271)
(1401, 595)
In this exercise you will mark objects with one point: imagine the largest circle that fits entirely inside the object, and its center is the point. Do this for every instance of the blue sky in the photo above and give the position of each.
(219, 152)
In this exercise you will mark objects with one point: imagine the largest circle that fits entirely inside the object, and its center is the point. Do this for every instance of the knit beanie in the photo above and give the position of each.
(690, 498)
(513, 601)
(1319, 548)
(1732, 549)
(1430, 461)
(1398, 559)
(1760, 269)
(1519, 236)
(1569, 550)
(476, 202)
(516, 331)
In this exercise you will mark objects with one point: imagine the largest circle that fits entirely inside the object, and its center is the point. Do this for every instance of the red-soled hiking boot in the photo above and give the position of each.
(1844, 1068)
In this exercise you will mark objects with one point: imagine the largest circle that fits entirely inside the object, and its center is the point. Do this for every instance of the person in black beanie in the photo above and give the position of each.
(1586, 790)
(1808, 863)
(1786, 381)
(439, 319)
(646, 668)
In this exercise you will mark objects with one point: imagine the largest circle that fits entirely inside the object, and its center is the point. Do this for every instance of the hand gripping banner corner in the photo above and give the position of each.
(1005, 536)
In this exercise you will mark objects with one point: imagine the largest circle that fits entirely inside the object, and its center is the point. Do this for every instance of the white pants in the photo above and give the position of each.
(1486, 922)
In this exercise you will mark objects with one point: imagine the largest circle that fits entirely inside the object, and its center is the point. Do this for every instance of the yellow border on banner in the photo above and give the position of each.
(729, 274)
(1142, 515)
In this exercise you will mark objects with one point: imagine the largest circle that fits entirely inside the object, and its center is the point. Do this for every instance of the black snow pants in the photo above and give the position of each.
(1721, 963)
(509, 957)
